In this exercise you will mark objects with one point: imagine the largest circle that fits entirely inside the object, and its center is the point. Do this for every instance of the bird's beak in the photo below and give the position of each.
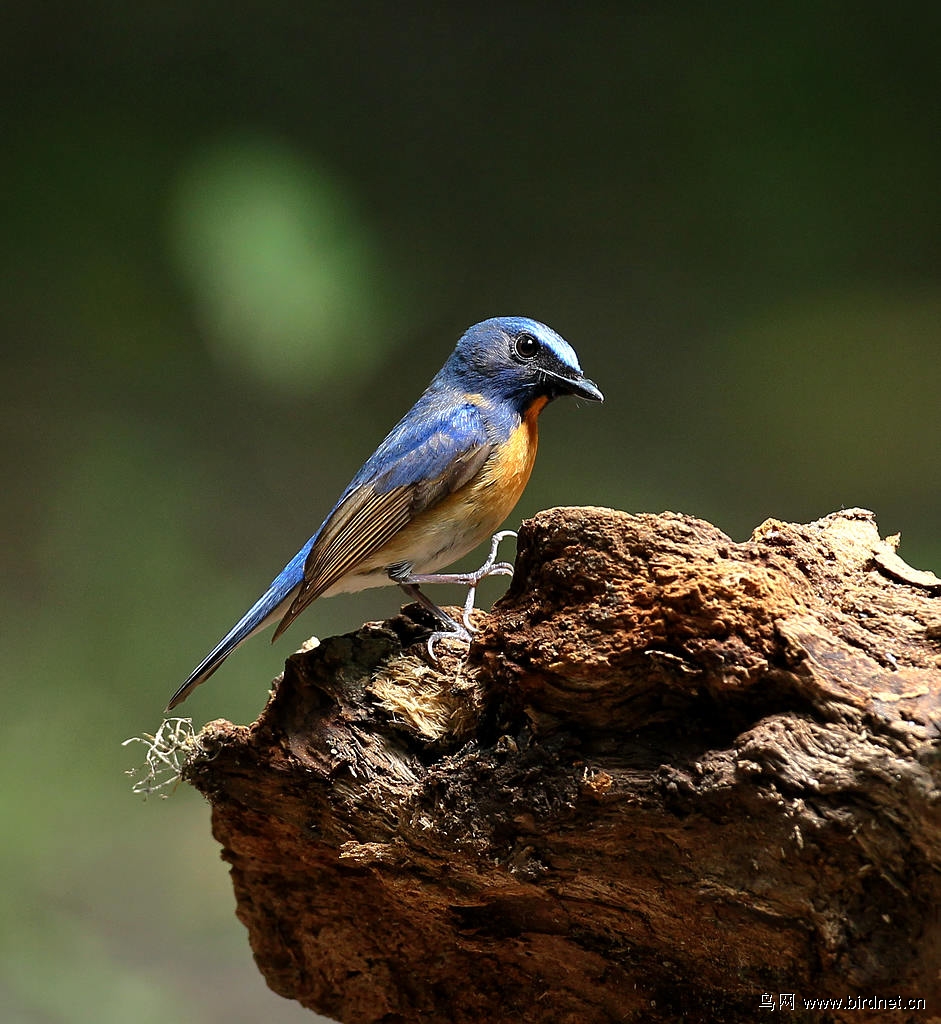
(582, 387)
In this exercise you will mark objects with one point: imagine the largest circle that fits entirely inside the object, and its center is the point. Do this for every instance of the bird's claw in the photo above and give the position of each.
(458, 633)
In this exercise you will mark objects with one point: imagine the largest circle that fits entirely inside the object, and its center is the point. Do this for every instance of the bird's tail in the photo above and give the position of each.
(262, 613)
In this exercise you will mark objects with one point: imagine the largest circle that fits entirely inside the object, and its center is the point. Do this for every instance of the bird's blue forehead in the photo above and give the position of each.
(496, 330)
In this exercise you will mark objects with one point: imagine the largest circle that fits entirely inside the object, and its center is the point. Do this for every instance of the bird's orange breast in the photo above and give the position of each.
(507, 471)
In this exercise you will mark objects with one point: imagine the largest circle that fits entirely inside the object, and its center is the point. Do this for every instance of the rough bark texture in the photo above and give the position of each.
(672, 774)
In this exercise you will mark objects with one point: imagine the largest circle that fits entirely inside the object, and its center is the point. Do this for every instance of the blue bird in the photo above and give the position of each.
(441, 482)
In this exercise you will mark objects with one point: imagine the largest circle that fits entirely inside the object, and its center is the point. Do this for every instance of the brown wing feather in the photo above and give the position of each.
(367, 520)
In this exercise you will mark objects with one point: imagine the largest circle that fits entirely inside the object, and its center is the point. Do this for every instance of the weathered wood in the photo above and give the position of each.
(673, 773)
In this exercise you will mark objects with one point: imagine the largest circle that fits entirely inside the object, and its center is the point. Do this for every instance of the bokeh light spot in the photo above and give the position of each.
(278, 262)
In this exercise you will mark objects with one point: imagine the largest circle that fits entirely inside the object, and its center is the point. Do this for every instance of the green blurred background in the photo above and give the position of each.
(237, 242)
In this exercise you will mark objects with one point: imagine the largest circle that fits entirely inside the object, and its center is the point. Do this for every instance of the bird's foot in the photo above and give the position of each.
(464, 629)
(459, 633)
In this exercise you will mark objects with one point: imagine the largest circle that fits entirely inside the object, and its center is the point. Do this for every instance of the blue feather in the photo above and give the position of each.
(422, 446)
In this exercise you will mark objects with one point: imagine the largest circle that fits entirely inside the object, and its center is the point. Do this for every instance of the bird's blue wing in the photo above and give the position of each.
(426, 458)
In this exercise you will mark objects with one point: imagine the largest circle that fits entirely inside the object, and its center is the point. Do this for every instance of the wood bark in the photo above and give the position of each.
(673, 774)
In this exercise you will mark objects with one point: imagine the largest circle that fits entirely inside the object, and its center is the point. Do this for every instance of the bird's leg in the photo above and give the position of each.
(409, 581)
(471, 580)
(453, 630)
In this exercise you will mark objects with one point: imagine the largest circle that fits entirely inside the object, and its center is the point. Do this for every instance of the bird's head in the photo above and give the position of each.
(515, 358)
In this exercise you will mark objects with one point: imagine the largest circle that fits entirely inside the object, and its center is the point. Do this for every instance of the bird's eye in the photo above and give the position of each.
(526, 346)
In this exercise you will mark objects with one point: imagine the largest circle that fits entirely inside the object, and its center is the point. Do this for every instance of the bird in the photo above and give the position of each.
(441, 482)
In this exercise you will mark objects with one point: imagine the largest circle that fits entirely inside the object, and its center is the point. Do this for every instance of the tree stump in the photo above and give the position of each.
(675, 777)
